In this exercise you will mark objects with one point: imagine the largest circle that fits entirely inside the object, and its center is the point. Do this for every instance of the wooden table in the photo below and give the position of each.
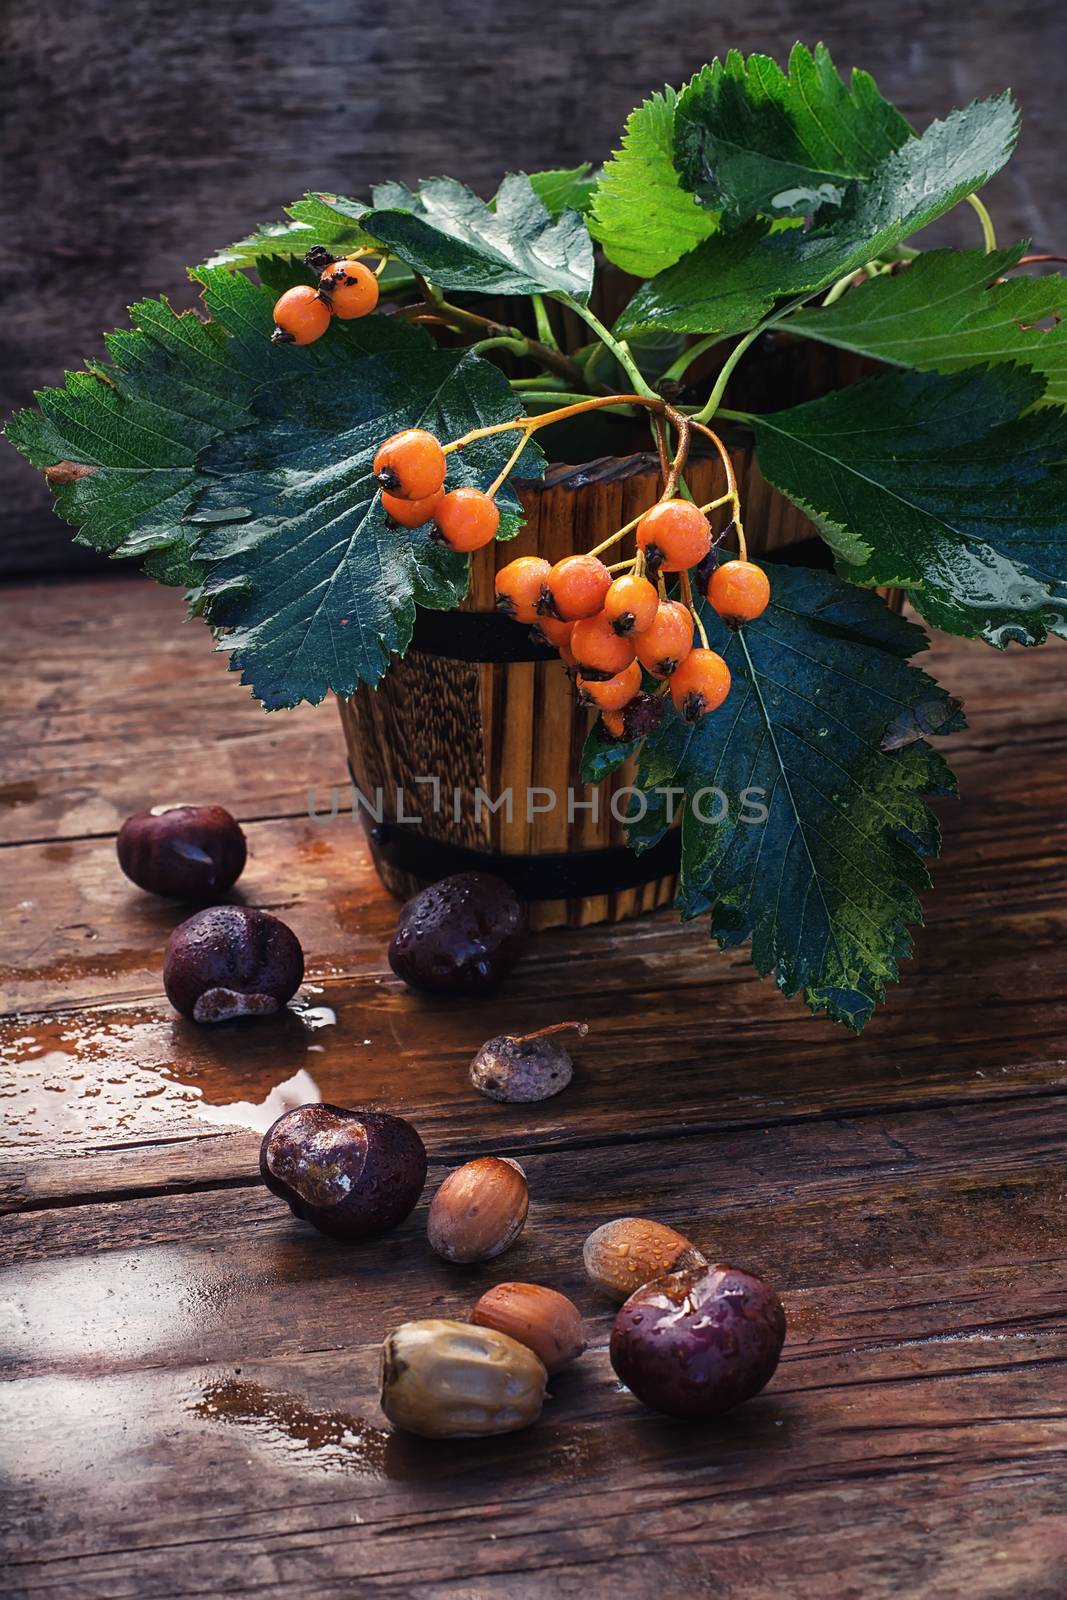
(191, 1399)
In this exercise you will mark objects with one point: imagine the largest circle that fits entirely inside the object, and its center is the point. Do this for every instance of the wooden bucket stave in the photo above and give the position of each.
(491, 725)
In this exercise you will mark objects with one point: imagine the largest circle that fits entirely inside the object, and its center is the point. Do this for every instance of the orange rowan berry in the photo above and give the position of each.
(614, 724)
(611, 694)
(553, 631)
(668, 641)
(519, 585)
(631, 604)
(599, 648)
(410, 465)
(700, 684)
(675, 535)
(466, 519)
(350, 289)
(575, 588)
(411, 513)
(301, 316)
(739, 591)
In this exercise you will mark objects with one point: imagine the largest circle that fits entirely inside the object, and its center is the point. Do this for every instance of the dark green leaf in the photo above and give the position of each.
(825, 885)
(314, 584)
(450, 236)
(174, 385)
(946, 311)
(938, 484)
(731, 280)
(565, 189)
(602, 755)
(641, 214)
(331, 220)
(750, 140)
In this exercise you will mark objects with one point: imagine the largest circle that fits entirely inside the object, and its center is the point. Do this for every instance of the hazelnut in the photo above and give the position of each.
(529, 1066)
(622, 1255)
(452, 1380)
(544, 1321)
(479, 1210)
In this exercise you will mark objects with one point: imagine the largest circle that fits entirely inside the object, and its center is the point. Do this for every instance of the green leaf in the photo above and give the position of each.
(939, 484)
(640, 213)
(565, 189)
(751, 140)
(314, 584)
(825, 885)
(947, 311)
(457, 241)
(331, 220)
(733, 279)
(173, 387)
(602, 755)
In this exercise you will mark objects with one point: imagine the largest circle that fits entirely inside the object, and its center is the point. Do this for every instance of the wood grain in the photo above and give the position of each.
(189, 1400)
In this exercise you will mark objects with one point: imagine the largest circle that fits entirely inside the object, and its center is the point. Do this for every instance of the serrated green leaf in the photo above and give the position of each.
(640, 213)
(947, 311)
(939, 484)
(565, 188)
(750, 140)
(331, 220)
(824, 886)
(457, 241)
(315, 586)
(733, 279)
(175, 385)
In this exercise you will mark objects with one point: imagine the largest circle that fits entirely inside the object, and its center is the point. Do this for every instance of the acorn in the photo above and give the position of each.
(526, 1066)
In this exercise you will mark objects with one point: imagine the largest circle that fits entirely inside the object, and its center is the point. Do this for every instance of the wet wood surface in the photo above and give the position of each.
(189, 1405)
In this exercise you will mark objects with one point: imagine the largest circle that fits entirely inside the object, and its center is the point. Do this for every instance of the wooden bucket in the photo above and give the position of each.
(455, 710)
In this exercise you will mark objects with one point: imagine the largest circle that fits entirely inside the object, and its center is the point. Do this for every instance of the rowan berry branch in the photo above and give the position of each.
(462, 321)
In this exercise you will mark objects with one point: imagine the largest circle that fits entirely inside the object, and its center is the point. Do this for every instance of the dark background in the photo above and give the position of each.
(138, 138)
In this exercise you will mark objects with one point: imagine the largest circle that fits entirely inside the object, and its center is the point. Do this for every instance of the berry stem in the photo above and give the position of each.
(505, 471)
(687, 357)
(581, 1028)
(687, 598)
(531, 424)
(731, 481)
(606, 544)
(462, 320)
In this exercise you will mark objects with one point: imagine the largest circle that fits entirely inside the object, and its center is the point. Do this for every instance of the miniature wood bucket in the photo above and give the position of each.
(478, 734)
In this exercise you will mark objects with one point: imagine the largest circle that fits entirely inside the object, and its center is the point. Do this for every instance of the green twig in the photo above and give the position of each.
(989, 233)
(544, 326)
(617, 347)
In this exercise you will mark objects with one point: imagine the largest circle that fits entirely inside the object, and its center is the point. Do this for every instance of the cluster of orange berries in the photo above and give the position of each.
(607, 629)
(347, 289)
(410, 470)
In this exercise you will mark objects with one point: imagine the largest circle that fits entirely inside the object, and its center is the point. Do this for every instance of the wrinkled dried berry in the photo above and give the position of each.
(460, 936)
(183, 852)
(350, 1174)
(231, 961)
(530, 1066)
(697, 1343)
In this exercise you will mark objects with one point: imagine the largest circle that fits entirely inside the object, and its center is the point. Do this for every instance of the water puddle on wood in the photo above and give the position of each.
(72, 1080)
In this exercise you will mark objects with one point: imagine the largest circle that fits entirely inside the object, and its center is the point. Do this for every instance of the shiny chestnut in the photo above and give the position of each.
(697, 1343)
(182, 852)
(231, 961)
(351, 1174)
(460, 936)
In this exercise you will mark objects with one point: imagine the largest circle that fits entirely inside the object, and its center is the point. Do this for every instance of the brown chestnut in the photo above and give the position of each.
(460, 936)
(182, 852)
(351, 1174)
(697, 1343)
(231, 961)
